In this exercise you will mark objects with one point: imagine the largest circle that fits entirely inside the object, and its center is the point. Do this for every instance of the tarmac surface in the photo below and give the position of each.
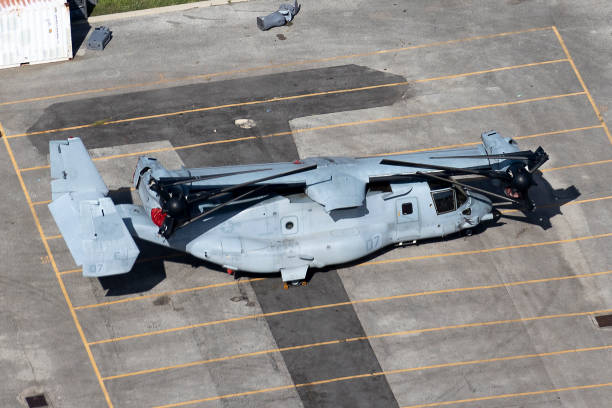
(503, 318)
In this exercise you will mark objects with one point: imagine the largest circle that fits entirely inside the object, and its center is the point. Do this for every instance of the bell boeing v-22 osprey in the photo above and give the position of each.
(283, 217)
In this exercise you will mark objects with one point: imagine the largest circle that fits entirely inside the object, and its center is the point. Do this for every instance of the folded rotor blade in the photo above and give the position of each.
(220, 206)
(249, 183)
(480, 190)
(524, 155)
(392, 162)
(175, 181)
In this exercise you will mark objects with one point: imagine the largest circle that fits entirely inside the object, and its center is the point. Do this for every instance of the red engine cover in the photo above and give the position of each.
(158, 216)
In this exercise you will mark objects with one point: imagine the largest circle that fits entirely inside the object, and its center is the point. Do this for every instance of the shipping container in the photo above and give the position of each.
(34, 31)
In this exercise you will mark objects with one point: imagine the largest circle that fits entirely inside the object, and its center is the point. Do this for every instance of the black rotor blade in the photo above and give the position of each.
(486, 173)
(249, 183)
(480, 190)
(175, 181)
(524, 155)
(220, 206)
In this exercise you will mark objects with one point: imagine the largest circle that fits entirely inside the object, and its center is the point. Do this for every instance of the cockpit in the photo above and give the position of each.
(446, 199)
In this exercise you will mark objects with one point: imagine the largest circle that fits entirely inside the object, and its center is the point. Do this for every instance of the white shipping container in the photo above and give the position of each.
(34, 31)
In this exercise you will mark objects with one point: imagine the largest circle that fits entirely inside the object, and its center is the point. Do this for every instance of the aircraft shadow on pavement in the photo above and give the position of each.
(218, 124)
(548, 202)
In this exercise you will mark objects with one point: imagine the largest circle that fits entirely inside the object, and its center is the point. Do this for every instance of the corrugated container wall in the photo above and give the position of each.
(34, 31)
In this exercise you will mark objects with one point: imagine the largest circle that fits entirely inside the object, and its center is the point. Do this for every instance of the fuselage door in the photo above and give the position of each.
(408, 222)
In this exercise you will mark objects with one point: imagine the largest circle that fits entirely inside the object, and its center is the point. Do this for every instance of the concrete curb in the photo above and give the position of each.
(157, 10)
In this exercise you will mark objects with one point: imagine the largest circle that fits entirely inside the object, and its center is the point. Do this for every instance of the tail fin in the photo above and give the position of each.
(88, 220)
(494, 143)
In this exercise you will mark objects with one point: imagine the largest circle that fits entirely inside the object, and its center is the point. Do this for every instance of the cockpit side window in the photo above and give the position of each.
(444, 200)
(461, 198)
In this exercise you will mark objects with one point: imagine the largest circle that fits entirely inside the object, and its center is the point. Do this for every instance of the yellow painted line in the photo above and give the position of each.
(484, 251)
(392, 372)
(143, 260)
(42, 166)
(71, 271)
(442, 112)
(516, 394)
(569, 166)
(42, 202)
(392, 334)
(276, 99)
(356, 123)
(168, 293)
(452, 146)
(588, 200)
(273, 66)
(326, 306)
(584, 87)
(205, 109)
(53, 237)
(54, 266)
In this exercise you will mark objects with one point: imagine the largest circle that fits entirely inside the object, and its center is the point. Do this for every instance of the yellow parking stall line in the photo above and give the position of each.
(442, 112)
(190, 146)
(273, 66)
(355, 123)
(452, 146)
(143, 260)
(168, 293)
(205, 109)
(326, 306)
(53, 237)
(588, 200)
(512, 395)
(584, 87)
(391, 334)
(35, 203)
(278, 99)
(40, 167)
(484, 251)
(55, 269)
(569, 166)
(71, 271)
(393, 372)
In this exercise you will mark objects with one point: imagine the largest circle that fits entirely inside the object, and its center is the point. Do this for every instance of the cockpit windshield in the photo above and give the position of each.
(444, 200)
(448, 199)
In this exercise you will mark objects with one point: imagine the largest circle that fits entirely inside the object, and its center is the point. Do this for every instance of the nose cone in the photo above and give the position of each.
(480, 210)
(481, 206)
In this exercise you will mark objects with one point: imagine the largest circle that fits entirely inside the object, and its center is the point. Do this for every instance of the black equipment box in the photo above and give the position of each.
(99, 38)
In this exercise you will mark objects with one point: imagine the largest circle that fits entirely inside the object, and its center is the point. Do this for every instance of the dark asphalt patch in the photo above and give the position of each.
(218, 124)
(324, 362)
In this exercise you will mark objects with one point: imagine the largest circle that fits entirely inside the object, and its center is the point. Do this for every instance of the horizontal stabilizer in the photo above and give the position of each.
(95, 234)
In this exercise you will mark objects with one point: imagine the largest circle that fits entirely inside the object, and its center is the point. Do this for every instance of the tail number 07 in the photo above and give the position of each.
(373, 243)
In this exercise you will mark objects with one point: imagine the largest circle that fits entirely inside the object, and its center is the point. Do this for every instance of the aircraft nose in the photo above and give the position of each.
(480, 210)
(482, 207)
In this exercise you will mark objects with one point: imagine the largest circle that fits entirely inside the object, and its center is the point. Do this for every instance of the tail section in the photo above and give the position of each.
(88, 220)
(494, 143)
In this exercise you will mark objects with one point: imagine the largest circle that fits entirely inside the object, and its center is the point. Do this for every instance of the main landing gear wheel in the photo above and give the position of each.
(294, 283)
